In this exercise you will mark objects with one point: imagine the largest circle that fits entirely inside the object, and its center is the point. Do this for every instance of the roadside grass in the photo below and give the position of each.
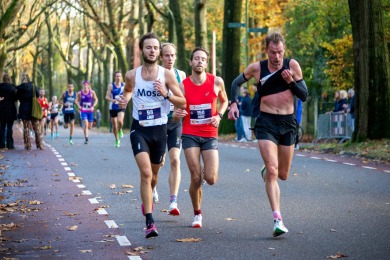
(371, 150)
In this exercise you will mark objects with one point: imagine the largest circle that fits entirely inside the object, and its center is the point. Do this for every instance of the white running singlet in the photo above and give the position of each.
(149, 106)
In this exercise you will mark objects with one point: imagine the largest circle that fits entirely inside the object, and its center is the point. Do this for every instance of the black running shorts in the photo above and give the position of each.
(280, 129)
(174, 129)
(204, 143)
(151, 139)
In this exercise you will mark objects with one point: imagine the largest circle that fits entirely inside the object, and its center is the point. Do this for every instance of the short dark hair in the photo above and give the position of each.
(118, 71)
(150, 35)
(199, 48)
(274, 37)
(6, 78)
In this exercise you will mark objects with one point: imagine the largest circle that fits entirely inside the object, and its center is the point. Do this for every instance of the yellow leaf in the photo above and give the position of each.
(85, 251)
(191, 239)
(72, 228)
(230, 219)
(42, 247)
(125, 186)
(35, 202)
(338, 255)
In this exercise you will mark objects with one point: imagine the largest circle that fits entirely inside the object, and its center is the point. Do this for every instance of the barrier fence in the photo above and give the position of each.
(334, 125)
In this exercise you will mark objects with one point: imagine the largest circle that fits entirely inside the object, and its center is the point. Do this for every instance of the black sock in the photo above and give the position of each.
(86, 138)
(149, 219)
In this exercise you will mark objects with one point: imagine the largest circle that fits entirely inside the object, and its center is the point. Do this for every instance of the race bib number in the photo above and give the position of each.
(200, 114)
(87, 106)
(69, 106)
(150, 114)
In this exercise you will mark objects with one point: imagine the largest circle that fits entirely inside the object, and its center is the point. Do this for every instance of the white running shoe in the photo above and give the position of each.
(197, 223)
(279, 228)
(155, 196)
(173, 210)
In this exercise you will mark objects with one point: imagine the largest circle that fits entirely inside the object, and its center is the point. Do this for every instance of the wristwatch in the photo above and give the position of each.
(169, 94)
(220, 115)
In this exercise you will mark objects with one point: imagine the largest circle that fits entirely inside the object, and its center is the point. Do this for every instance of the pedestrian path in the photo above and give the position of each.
(46, 212)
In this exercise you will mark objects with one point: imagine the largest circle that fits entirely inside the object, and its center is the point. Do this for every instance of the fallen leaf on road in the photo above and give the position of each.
(74, 164)
(191, 239)
(86, 251)
(333, 230)
(338, 255)
(136, 251)
(118, 193)
(42, 247)
(72, 228)
(129, 191)
(7, 227)
(125, 186)
(70, 214)
(35, 202)
(112, 186)
(230, 219)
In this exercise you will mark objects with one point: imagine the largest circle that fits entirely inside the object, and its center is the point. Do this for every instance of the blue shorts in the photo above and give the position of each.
(87, 116)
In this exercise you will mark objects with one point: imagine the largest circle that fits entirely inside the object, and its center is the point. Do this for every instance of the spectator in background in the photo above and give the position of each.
(350, 108)
(298, 116)
(25, 97)
(8, 111)
(246, 112)
(238, 124)
(98, 118)
(340, 100)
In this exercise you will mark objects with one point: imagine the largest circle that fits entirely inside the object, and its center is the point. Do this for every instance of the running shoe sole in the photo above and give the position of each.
(174, 212)
(151, 232)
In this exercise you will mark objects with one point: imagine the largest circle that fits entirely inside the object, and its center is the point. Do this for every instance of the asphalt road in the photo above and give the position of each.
(331, 206)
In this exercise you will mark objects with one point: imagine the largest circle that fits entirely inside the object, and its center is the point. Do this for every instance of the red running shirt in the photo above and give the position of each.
(44, 104)
(201, 106)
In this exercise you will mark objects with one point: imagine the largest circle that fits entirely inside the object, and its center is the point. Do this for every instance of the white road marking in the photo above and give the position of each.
(71, 174)
(102, 212)
(368, 167)
(64, 164)
(123, 241)
(81, 186)
(61, 159)
(86, 192)
(67, 168)
(316, 158)
(93, 201)
(349, 164)
(111, 224)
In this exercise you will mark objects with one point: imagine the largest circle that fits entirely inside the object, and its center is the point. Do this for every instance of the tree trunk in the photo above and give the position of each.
(181, 52)
(231, 52)
(372, 82)
(200, 11)
(50, 55)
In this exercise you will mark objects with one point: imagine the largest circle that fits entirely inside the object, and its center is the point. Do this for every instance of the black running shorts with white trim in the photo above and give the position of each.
(151, 139)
